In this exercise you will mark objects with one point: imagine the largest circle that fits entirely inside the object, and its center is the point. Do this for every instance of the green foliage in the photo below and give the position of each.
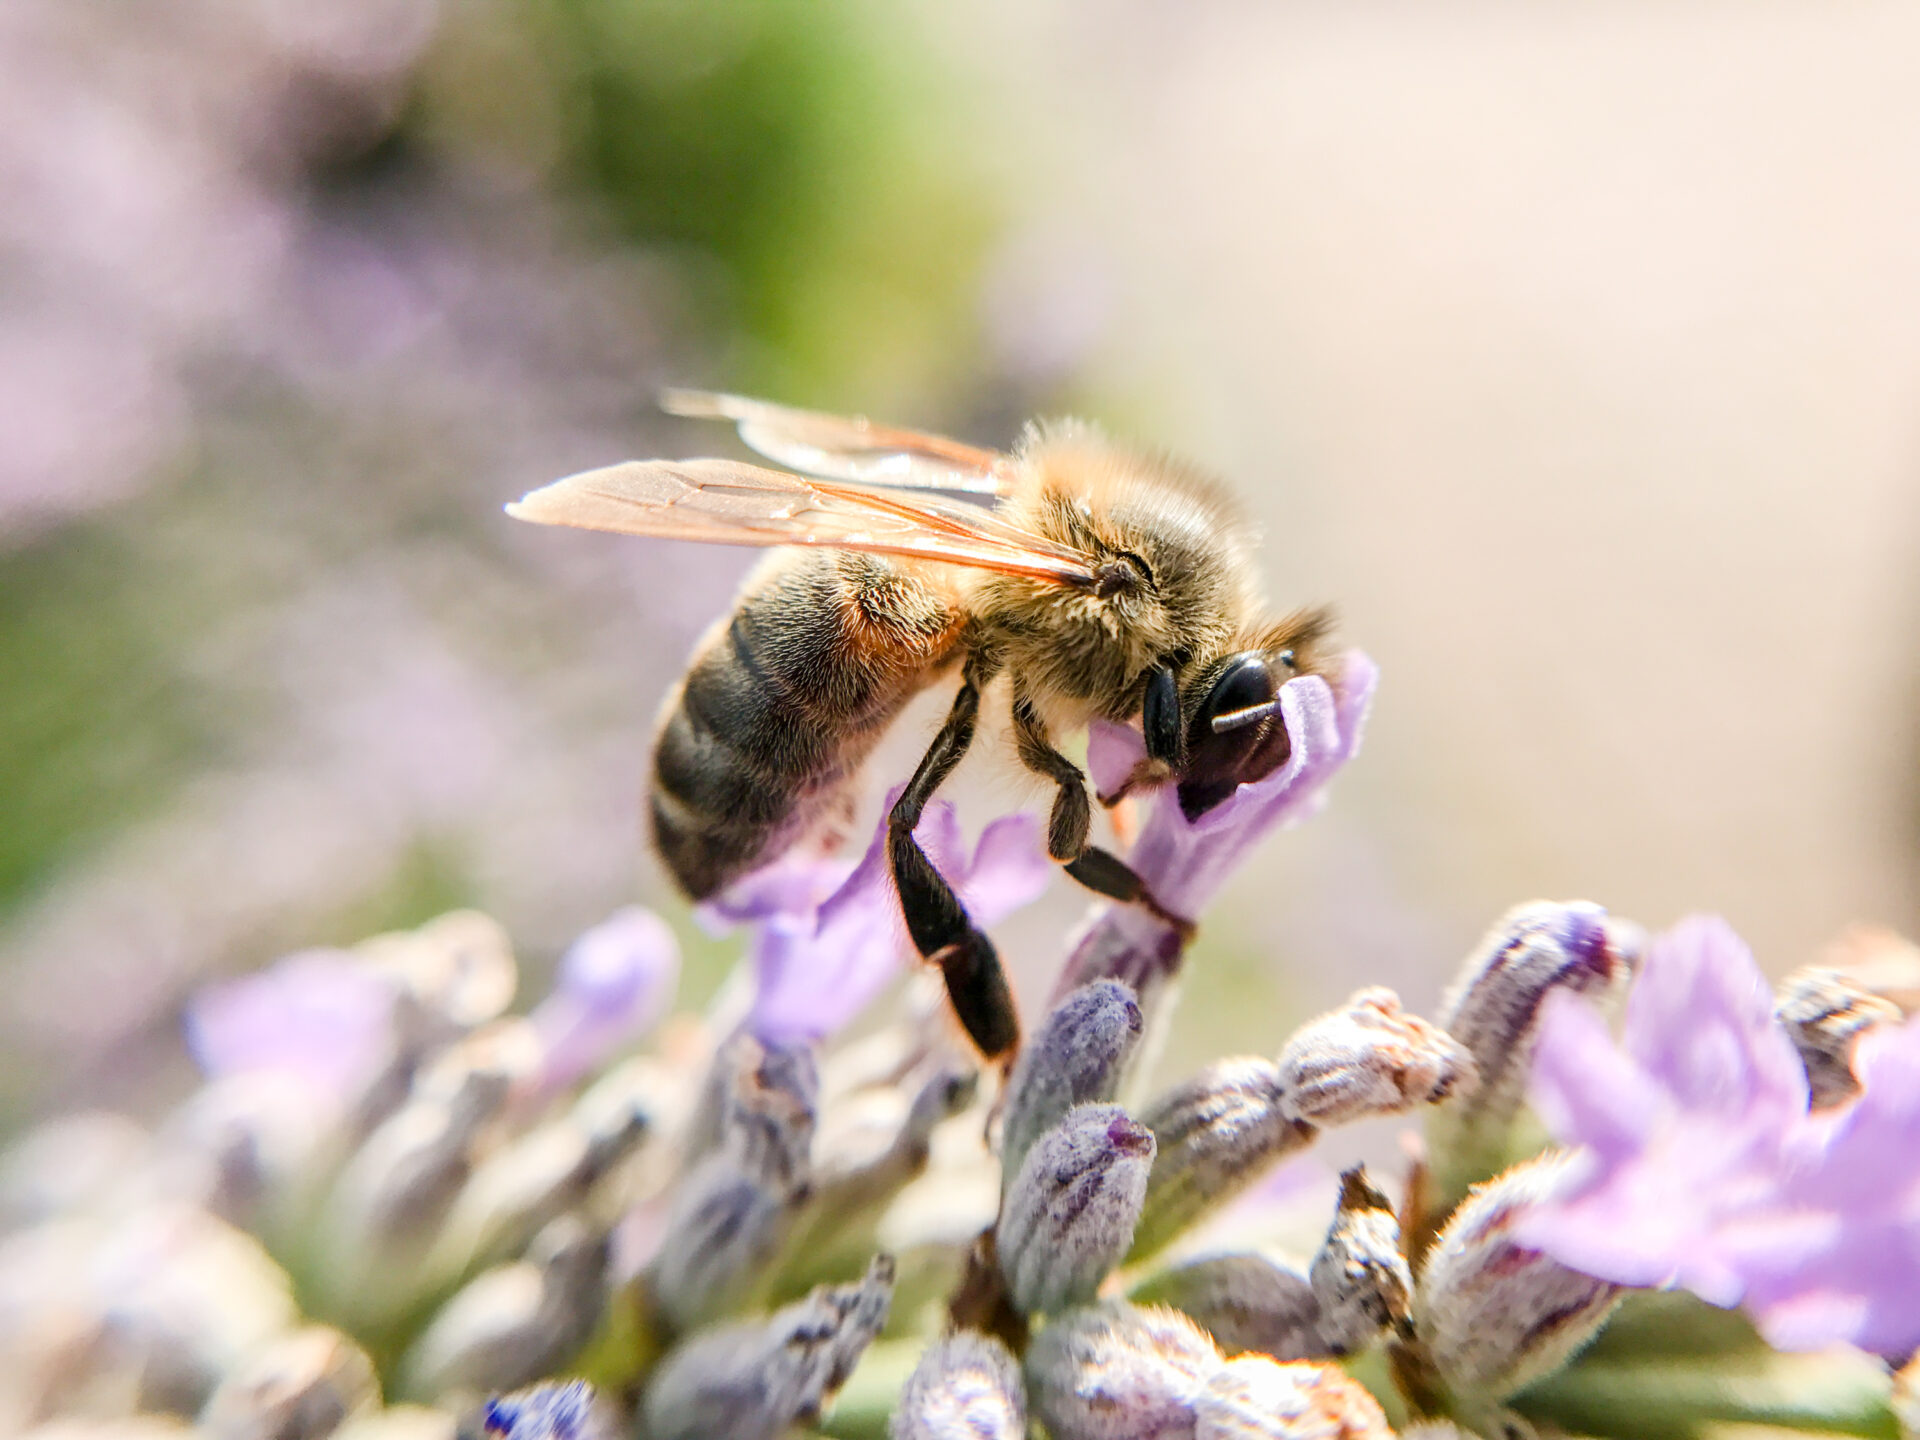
(803, 149)
(97, 724)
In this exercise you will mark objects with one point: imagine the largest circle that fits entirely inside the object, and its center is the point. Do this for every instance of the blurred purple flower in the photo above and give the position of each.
(614, 982)
(1698, 1164)
(1185, 862)
(321, 1018)
(830, 935)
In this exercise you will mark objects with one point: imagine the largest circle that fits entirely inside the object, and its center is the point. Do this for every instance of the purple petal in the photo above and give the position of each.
(319, 1017)
(1584, 1088)
(1010, 869)
(818, 963)
(1700, 1020)
(1186, 862)
(1699, 1164)
(1112, 752)
(613, 984)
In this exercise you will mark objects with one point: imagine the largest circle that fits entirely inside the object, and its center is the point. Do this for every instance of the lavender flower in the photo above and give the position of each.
(1070, 1212)
(1078, 1056)
(1185, 862)
(1697, 1163)
(321, 1018)
(613, 984)
(830, 935)
(562, 1410)
(1119, 1372)
(1492, 1313)
(1256, 1398)
(966, 1387)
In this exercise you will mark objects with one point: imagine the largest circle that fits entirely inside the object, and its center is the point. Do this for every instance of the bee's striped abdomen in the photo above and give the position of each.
(782, 704)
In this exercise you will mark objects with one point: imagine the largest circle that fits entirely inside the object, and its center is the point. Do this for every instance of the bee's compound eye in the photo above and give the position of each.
(1245, 683)
(1221, 757)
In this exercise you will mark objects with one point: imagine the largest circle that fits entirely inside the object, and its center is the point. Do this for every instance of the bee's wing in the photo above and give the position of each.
(726, 502)
(836, 447)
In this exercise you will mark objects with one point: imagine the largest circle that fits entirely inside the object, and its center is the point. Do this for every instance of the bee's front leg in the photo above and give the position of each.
(1071, 821)
(941, 929)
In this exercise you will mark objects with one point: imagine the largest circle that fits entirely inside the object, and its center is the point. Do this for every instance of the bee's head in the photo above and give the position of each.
(1218, 726)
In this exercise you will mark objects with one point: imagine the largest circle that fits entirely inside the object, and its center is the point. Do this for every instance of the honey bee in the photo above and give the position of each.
(1100, 582)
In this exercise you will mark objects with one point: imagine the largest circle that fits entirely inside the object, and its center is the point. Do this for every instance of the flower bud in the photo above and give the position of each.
(459, 968)
(612, 984)
(1069, 1214)
(862, 1166)
(1360, 1277)
(753, 1380)
(1256, 1398)
(724, 1229)
(515, 1323)
(966, 1387)
(304, 1384)
(552, 1410)
(1369, 1058)
(1824, 1011)
(1246, 1302)
(1119, 1372)
(763, 1098)
(1076, 1057)
(1492, 1314)
(1494, 1006)
(1215, 1135)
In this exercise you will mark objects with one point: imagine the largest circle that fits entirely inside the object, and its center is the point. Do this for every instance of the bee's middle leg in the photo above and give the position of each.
(1070, 822)
(942, 930)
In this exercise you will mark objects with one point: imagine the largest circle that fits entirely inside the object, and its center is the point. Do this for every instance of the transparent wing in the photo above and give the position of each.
(726, 502)
(836, 447)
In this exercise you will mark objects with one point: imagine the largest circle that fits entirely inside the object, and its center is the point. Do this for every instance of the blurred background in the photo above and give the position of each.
(1574, 352)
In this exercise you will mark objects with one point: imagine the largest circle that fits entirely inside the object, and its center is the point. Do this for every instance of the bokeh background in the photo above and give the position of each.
(1574, 351)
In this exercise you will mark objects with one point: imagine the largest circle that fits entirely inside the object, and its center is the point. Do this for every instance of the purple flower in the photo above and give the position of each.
(321, 1018)
(613, 983)
(1698, 1164)
(1185, 862)
(830, 934)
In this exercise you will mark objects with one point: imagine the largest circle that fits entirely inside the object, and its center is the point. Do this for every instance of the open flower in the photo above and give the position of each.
(321, 1018)
(1185, 862)
(1698, 1164)
(830, 935)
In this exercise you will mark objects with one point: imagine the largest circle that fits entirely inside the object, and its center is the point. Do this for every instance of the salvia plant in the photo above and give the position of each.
(1653, 1197)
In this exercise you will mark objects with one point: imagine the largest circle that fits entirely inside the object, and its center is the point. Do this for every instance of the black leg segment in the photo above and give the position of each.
(941, 929)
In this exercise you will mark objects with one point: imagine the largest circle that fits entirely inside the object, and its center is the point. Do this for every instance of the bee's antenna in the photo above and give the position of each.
(1240, 719)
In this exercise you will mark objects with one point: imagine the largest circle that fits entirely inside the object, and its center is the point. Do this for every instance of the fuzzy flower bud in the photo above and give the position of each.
(1369, 1058)
(305, 1384)
(514, 1323)
(553, 1410)
(738, 1203)
(1823, 1012)
(1256, 1398)
(1078, 1056)
(1216, 1134)
(1070, 1213)
(1246, 1302)
(1360, 1277)
(1494, 1006)
(966, 1387)
(612, 984)
(755, 1380)
(1492, 1314)
(1119, 1372)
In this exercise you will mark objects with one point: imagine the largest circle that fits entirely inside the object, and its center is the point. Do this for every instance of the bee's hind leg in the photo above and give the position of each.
(1071, 822)
(941, 929)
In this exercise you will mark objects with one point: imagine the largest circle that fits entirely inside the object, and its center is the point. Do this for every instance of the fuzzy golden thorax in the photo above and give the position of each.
(1178, 588)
